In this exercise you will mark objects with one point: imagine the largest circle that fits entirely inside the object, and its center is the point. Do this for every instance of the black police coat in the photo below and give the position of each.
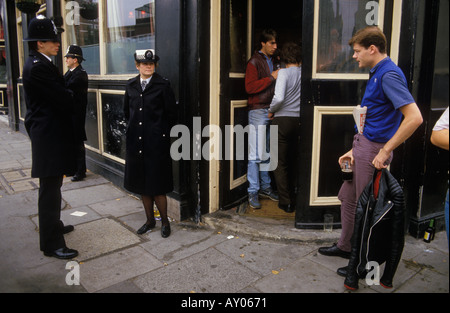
(151, 114)
(48, 120)
(77, 81)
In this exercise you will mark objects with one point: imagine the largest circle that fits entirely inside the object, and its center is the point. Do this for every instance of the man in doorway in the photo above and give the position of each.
(260, 79)
(387, 99)
(49, 124)
(76, 80)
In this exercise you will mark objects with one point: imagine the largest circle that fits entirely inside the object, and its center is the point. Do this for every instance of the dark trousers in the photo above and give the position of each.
(364, 151)
(49, 209)
(81, 159)
(288, 145)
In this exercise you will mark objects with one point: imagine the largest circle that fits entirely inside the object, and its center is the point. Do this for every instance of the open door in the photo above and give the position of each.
(236, 34)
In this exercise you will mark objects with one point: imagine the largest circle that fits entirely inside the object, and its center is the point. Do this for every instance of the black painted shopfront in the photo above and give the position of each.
(204, 46)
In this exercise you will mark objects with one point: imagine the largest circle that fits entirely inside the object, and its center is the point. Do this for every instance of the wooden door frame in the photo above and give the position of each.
(214, 96)
(216, 90)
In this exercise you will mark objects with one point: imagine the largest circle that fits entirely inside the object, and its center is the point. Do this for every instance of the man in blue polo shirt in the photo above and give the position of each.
(388, 100)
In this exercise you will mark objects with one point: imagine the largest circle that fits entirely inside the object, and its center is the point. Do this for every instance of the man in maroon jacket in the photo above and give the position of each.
(260, 85)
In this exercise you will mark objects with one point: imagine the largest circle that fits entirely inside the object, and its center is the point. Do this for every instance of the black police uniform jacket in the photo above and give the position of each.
(150, 114)
(379, 231)
(48, 120)
(77, 81)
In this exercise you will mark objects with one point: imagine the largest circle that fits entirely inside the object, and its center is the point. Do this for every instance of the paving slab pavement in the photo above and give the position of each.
(228, 253)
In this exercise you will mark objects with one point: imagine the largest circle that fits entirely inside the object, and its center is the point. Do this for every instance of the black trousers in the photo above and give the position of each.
(288, 148)
(81, 159)
(49, 209)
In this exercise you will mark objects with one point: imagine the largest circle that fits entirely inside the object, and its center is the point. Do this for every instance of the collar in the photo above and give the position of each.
(374, 69)
(73, 69)
(46, 56)
(146, 80)
(264, 55)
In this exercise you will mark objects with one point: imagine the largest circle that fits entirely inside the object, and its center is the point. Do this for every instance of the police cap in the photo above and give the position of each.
(74, 51)
(146, 56)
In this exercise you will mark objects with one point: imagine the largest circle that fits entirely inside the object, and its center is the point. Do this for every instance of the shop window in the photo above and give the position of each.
(440, 96)
(2, 64)
(83, 29)
(91, 125)
(114, 125)
(22, 104)
(2, 54)
(239, 33)
(129, 27)
(109, 32)
(336, 22)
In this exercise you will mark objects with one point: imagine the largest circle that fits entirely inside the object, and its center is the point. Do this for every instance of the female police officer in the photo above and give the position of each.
(49, 124)
(150, 107)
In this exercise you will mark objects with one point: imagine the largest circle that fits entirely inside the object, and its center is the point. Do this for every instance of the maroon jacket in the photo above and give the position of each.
(259, 83)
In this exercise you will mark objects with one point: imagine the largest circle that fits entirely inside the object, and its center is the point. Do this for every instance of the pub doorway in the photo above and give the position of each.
(242, 24)
(285, 17)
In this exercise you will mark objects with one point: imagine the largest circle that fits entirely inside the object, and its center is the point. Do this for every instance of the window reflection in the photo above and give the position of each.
(22, 104)
(238, 36)
(82, 29)
(2, 65)
(127, 26)
(2, 54)
(114, 125)
(92, 121)
(338, 21)
(130, 26)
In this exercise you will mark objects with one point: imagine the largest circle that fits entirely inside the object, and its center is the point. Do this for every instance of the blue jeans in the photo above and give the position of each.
(258, 180)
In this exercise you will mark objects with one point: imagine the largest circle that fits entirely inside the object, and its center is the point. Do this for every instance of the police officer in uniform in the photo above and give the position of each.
(150, 108)
(48, 122)
(76, 80)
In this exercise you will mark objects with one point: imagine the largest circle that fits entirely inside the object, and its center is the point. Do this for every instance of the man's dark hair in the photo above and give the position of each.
(267, 35)
(368, 36)
(291, 53)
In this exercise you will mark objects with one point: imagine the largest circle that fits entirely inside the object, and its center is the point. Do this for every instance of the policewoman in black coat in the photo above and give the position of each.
(76, 80)
(48, 122)
(150, 108)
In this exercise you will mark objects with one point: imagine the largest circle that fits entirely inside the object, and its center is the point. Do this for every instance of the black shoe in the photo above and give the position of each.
(165, 231)
(67, 229)
(334, 251)
(146, 227)
(269, 194)
(77, 177)
(62, 253)
(286, 208)
(342, 271)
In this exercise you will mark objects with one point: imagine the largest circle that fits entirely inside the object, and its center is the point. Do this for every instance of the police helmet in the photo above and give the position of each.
(42, 28)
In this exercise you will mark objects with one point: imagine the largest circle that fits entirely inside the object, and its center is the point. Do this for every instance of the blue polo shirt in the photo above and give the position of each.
(386, 92)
